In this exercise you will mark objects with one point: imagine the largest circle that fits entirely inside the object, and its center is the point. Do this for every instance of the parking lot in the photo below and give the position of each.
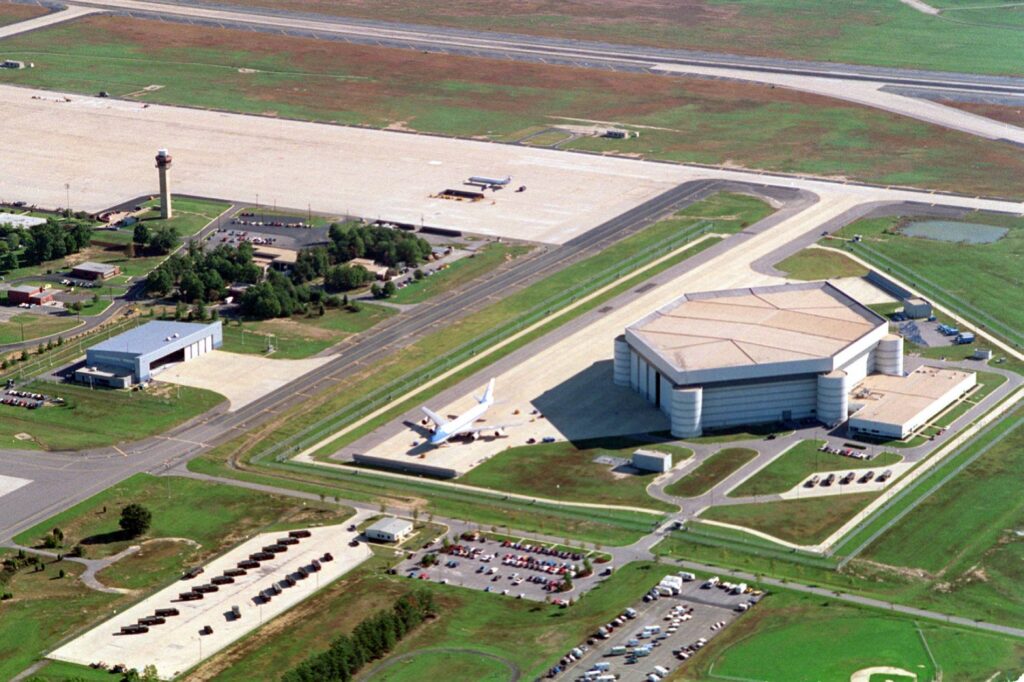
(654, 638)
(197, 616)
(529, 571)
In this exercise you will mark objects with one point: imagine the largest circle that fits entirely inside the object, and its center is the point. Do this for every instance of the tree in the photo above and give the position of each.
(418, 274)
(164, 239)
(389, 289)
(159, 282)
(135, 519)
(150, 674)
(141, 233)
(347, 277)
(376, 291)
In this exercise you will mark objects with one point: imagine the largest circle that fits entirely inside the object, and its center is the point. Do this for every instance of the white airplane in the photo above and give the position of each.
(444, 429)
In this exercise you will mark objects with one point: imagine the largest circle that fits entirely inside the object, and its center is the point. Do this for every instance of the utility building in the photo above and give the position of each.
(722, 359)
(390, 529)
(136, 353)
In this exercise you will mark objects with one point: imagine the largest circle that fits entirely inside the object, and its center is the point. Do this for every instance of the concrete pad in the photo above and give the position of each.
(336, 169)
(176, 645)
(240, 378)
(861, 290)
(8, 484)
(570, 382)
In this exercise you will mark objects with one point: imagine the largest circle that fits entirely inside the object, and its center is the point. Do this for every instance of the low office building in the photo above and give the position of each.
(138, 352)
(94, 271)
(20, 221)
(31, 295)
(389, 529)
(894, 407)
(742, 357)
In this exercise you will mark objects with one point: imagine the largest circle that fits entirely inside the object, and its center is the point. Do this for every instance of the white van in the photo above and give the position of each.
(660, 670)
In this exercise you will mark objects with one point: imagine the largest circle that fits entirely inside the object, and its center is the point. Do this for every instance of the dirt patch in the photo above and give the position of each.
(289, 327)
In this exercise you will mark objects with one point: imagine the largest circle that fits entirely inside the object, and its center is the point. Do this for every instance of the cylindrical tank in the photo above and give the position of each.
(685, 415)
(889, 355)
(620, 372)
(833, 397)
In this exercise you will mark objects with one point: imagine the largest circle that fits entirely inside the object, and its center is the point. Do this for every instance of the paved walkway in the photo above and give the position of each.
(92, 566)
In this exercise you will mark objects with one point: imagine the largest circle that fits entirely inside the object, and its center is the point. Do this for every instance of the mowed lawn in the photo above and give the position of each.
(300, 336)
(564, 471)
(806, 521)
(854, 31)
(204, 519)
(87, 419)
(680, 119)
(459, 273)
(28, 326)
(794, 638)
(980, 281)
(799, 462)
(813, 264)
(711, 472)
(971, 527)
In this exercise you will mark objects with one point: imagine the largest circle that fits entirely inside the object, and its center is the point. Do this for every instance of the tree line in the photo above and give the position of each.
(56, 238)
(374, 637)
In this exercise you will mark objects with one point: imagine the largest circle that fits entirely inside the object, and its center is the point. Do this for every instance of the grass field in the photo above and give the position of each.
(525, 633)
(84, 421)
(45, 610)
(459, 273)
(181, 511)
(567, 471)
(803, 522)
(798, 463)
(302, 337)
(27, 326)
(979, 281)
(856, 31)
(794, 638)
(711, 472)
(812, 264)
(190, 215)
(682, 119)
(972, 521)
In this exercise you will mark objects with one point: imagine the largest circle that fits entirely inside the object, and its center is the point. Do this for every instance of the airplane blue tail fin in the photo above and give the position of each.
(488, 396)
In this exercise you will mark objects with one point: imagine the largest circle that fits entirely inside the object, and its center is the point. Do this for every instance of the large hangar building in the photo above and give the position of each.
(132, 357)
(723, 359)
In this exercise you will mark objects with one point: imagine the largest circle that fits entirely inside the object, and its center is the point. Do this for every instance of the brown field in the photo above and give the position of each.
(11, 14)
(681, 119)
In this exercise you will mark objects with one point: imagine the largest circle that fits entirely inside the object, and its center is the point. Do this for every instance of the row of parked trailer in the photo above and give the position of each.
(542, 549)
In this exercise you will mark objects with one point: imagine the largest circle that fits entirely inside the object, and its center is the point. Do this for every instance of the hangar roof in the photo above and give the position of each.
(756, 326)
(150, 337)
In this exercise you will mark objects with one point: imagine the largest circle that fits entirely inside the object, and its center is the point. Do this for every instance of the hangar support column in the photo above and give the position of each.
(833, 398)
(685, 412)
(620, 372)
(889, 355)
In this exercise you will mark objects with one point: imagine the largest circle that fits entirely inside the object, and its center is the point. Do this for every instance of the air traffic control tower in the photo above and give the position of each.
(163, 164)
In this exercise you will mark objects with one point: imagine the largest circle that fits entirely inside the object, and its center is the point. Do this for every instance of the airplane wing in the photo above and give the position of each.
(438, 420)
(489, 427)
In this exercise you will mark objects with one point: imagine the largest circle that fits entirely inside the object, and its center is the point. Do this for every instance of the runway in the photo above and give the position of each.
(816, 77)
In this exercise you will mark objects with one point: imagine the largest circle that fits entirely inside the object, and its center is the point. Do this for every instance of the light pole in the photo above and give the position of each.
(67, 197)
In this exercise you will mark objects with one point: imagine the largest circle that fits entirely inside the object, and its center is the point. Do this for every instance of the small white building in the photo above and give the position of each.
(389, 529)
(649, 460)
(917, 308)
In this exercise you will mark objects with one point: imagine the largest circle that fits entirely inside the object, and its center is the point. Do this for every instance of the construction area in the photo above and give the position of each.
(260, 579)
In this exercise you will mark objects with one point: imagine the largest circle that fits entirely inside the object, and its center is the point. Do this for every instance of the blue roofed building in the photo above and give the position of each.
(133, 356)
